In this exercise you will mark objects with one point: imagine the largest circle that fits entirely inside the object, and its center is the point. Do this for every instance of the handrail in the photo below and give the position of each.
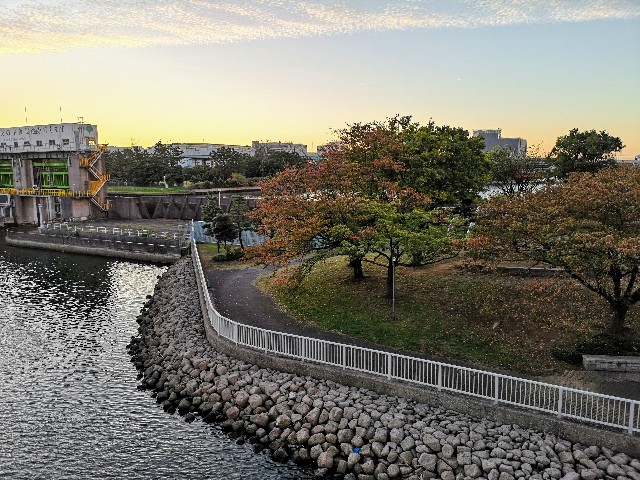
(566, 402)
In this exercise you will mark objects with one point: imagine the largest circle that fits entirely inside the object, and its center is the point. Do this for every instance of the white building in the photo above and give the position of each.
(199, 154)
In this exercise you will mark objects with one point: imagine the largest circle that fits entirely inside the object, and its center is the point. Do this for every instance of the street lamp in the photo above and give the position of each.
(393, 257)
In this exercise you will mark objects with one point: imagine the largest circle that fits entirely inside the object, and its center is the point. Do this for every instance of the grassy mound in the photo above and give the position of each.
(489, 319)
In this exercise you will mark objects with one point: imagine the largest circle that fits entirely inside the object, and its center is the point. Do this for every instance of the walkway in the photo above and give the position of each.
(236, 296)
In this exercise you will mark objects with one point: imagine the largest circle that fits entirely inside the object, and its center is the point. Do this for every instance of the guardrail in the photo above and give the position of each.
(591, 407)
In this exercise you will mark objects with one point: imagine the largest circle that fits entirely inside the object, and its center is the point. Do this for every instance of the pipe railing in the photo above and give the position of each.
(565, 402)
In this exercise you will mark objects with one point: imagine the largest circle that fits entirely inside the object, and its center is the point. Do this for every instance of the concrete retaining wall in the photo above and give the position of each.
(610, 363)
(101, 252)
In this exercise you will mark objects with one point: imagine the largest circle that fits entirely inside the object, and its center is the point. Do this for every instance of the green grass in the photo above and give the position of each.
(488, 320)
(211, 258)
(144, 190)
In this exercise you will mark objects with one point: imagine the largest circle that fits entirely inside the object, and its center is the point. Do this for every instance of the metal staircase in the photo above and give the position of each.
(100, 178)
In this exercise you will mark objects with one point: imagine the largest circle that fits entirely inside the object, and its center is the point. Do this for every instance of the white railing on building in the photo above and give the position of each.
(591, 407)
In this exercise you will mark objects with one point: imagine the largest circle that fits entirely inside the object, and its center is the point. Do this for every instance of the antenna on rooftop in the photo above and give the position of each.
(26, 118)
(60, 113)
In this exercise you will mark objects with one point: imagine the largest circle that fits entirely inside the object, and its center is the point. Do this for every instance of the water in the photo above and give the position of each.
(69, 403)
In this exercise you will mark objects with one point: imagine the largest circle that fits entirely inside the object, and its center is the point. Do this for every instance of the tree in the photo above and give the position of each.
(122, 164)
(514, 174)
(238, 211)
(224, 229)
(444, 162)
(587, 225)
(167, 159)
(587, 151)
(225, 162)
(211, 209)
(355, 201)
(138, 166)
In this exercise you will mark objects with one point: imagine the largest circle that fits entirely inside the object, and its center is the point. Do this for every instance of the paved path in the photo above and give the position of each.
(236, 296)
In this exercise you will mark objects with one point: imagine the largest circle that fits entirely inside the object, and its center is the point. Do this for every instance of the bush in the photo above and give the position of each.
(228, 255)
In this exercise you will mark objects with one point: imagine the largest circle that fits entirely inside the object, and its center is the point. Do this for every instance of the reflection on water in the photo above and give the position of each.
(69, 406)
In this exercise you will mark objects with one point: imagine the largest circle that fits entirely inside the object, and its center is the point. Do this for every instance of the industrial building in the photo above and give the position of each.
(493, 138)
(51, 172)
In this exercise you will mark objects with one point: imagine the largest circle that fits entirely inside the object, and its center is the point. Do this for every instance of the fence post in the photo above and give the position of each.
(560, 392)
(344, 357)
(304, 349)
(496, 389)
(632, 415)
(389, 362)
(439, 377)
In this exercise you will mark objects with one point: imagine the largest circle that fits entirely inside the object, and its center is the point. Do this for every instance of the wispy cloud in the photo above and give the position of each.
(46, 25)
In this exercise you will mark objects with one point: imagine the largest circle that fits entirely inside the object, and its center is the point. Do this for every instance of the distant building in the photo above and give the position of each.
(199, 154)
(493, 138)
(50, 172)
(288, 147)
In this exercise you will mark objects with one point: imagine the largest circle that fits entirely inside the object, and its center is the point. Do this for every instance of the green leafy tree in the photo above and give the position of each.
(224, 163)
(211, 210)
(167, 158)
(238, 212)
(141, 167)
(444, 162)
(587, 225)
(275, 162)
(587, 151)
(122, 165)
(224, 229)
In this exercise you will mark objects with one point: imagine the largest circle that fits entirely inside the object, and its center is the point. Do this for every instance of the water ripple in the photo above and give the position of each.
(69, 403)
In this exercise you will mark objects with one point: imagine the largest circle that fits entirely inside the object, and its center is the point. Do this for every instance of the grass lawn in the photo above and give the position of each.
(144, 190)
(487, 319)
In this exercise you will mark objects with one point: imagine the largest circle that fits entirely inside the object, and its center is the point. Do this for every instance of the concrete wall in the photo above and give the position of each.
(179, 207)
(21, 241)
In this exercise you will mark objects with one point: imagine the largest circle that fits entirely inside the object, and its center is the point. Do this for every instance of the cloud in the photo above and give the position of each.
(49, 25)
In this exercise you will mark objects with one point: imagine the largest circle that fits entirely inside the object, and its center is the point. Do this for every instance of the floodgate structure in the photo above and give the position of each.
(51, 172)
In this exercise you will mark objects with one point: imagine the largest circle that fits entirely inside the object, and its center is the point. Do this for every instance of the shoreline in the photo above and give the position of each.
(341, 431)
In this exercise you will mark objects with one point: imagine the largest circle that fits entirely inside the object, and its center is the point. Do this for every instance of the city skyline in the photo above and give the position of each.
(233, 72)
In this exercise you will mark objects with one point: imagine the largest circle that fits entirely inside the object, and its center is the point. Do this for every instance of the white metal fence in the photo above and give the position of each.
(562, 401)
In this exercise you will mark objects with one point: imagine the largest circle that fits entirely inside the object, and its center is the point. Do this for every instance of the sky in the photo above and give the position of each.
(233, 71)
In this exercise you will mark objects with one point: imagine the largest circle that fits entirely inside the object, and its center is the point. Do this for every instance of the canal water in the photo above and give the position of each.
(69, 403)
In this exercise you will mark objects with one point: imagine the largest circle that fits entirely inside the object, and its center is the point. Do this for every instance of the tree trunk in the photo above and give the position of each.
(356, 264)
(616, 326)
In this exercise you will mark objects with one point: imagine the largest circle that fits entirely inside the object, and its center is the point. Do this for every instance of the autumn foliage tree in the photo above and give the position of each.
(355, 201)
(588, 225)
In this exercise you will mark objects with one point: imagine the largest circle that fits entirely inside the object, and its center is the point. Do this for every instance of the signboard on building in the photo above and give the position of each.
(70, 137)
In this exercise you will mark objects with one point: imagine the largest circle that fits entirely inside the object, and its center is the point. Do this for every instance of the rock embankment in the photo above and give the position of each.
(341, 431)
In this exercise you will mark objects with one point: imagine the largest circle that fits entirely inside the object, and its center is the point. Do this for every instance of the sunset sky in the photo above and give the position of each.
(235, 71)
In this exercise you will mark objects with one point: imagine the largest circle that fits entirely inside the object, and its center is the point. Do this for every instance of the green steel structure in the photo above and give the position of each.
(6, 174)
(51, 174)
